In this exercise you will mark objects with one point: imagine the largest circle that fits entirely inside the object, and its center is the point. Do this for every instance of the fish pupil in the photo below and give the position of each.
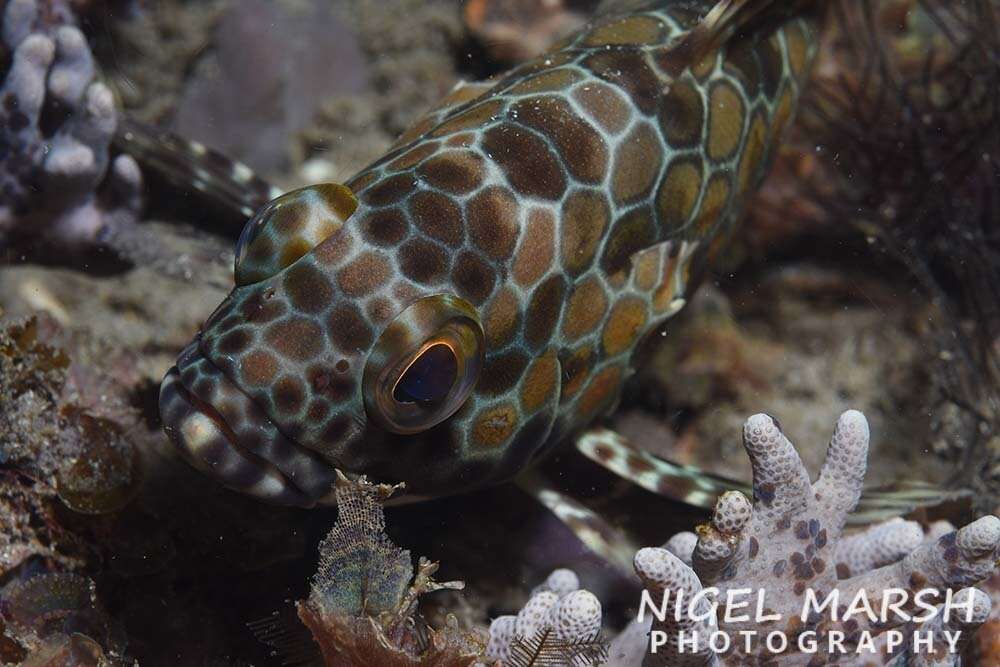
(429, 378)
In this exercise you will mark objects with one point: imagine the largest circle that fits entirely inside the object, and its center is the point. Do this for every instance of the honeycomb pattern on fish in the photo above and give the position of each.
(571, 202)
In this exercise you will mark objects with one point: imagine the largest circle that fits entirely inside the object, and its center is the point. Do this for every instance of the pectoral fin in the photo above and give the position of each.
(591, 529)
(694, 486)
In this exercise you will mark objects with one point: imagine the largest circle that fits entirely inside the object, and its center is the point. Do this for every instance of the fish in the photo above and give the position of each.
(474, 298)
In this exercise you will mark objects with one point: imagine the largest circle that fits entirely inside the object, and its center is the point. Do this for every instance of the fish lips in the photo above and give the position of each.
(221, 431)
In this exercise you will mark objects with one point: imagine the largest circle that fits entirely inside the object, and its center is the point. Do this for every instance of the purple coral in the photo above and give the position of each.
(789, 545)
(57, 179)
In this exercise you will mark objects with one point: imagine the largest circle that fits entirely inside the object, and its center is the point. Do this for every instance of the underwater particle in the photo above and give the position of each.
(789, 541)
(57, 121)
(363, 600)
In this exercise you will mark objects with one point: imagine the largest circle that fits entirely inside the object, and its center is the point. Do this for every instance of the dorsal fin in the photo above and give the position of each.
(724, 21)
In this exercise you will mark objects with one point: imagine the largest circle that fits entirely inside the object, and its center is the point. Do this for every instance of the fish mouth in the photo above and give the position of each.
(222, 432)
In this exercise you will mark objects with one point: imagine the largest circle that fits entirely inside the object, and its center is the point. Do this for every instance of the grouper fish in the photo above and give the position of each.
(474, 298)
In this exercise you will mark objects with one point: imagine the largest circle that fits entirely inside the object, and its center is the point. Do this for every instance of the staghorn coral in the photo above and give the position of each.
(58, 181)
(362, 605)
(790, 541)
(559, 625)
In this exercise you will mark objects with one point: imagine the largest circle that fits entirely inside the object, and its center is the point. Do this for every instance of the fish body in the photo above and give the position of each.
(475, 296)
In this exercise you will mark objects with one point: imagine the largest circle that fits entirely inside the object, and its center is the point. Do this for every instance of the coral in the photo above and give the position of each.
(362, 604)
(790, 541)
(560, 624)
(58, 180)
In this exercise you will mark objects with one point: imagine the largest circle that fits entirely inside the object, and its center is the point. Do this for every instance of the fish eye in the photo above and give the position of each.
(424, 365)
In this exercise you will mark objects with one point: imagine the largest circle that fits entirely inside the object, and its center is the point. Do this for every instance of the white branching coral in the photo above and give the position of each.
(789, 545)
(57, 122)
(560, 624)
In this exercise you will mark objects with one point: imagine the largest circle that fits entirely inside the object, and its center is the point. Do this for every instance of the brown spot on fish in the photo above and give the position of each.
(704, 67)
(318, 410)
(629, 235)
(529, 164)
(438, 216)
(389, 190)
(423, 261)
(682, 115)
(543, 310)
(646, 269)
(679, 193)
(741, 63)
(534, 257)
(628, 70)
(585, 309)
(470, 119)
(798, 48)
(502, 319)
(293, 250)
(348, 330)
(307, 288)
(501, 372)
(631, 30)
(582, 149)
(458, 172)
(473, 277)
(296, 338)
(289, 395)
(637, 164)
(366, 274)
(258, 368)
(234, 342)
(585, 215)
(714, 203)
(628, 316)
(385, 227)
(290, 217)
(725, 121)
(540, 382)
(494, 425)
(751, 162)
(333, 250)
(380, 310)
(576, 368)
(493, 216)
(554, 80)
(600, 393)
(413, 156)
(604, 104)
